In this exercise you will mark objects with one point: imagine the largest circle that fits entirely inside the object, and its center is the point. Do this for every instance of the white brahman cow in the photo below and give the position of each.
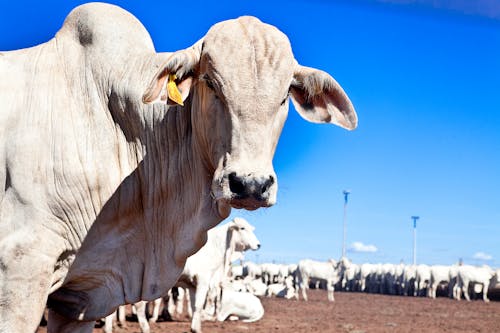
(257, 287)
(283, 289)
(242, 305)
(252, 270)
(410, 280)
(270, 272)
(439, 274)
(324, 271)
(116, 160)
(365, 272)
(210, 266)
(423, 279)
(467, 274)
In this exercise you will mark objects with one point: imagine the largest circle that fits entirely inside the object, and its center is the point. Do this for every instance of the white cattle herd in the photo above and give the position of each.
(217, 289)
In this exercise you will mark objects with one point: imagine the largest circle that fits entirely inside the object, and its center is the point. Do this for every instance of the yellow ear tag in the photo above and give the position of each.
(173, 92)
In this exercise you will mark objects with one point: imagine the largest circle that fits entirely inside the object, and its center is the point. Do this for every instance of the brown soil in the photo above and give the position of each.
(352, 313)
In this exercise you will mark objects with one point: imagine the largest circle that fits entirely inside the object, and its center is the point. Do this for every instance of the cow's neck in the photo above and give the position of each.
(156, 218)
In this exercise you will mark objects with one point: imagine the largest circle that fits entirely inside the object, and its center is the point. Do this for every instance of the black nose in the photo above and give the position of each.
(245, 187)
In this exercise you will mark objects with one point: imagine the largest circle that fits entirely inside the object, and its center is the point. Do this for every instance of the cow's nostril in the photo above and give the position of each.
(236, 184)
(267, 184)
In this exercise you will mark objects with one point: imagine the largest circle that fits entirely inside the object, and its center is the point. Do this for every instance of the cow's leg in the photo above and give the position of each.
(189, 304)
(198, 297)
(60, 324)
(465, 289)
(453, 293)
(156, 310)
(182, 296)
(432, 290)
(25, 280)
(303, 285)
(140, 307)
(121, 315)
(108, 323)
(331, 288)
(485, 291)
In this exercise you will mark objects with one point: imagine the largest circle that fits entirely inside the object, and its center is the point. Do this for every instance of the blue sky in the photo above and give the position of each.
(424, 77)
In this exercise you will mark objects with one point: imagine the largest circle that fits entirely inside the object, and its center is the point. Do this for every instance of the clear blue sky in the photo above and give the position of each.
(425, 81)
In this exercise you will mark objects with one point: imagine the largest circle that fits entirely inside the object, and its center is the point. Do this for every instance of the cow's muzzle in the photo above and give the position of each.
(250, 192)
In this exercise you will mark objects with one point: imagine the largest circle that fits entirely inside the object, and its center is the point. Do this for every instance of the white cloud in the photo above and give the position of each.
(482, 256)
(360, 247)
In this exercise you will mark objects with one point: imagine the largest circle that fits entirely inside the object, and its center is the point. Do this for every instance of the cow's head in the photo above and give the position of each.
(243, 236)
(240, 77)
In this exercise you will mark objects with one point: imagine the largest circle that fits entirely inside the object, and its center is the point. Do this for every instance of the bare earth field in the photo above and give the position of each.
(351, 313)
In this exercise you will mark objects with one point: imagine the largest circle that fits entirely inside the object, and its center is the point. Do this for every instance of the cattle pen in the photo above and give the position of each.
(350, 313)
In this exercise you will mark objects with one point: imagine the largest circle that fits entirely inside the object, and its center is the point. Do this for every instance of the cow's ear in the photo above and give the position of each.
(232, 226)
(172, 83)
(318, 98)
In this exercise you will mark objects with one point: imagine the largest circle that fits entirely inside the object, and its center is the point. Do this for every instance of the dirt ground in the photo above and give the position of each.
(351, 313)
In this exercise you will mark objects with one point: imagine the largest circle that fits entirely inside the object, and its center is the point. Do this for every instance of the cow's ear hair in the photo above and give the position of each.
(178, 68)
(318, 98)
(232, 226)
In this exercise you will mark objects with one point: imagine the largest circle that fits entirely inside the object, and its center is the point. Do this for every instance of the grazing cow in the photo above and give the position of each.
(323, 271)
(210, 266)
(116, 159)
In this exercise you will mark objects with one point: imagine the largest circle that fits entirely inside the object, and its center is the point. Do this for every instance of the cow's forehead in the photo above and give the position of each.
(248, 51)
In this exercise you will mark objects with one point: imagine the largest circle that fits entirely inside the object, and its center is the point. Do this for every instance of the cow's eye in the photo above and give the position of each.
(208, 82)
(242, 228)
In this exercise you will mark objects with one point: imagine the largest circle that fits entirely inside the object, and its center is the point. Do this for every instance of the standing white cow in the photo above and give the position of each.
(210, 266)
(423, 279)
(366, 271)
(252, 270)
(325, 271)
(467, 274)
(116, 159)
(439, 274)
(410, 280)
(270, 273)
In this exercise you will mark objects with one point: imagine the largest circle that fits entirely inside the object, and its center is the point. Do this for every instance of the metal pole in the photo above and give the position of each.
(346, 194)
(415, 218)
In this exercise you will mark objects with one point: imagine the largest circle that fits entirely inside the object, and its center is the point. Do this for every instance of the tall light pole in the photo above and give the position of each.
(346, 194)
(415, 218)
